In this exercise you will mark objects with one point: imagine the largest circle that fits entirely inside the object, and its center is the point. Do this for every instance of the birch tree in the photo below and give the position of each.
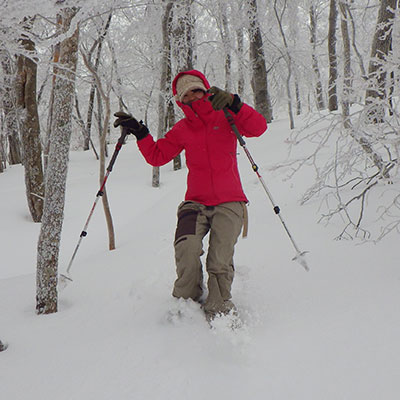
(53, 213)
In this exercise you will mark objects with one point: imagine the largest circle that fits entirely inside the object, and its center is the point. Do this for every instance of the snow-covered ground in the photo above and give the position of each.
(328, 334)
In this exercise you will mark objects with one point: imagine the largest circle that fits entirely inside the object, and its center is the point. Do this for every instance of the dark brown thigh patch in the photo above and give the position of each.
(186, 223)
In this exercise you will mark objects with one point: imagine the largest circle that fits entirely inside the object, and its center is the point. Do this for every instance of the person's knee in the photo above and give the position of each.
(188, 247)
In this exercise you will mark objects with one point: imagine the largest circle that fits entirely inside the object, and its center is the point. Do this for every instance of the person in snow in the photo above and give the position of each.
(214, 202)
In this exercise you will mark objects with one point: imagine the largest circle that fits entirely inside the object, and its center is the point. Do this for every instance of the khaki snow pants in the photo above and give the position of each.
(224, 223)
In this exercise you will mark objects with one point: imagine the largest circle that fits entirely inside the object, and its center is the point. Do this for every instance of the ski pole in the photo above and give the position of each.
(64, 278)
(300, 255)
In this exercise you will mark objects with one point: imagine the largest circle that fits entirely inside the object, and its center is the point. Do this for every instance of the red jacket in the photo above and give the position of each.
(210, 148)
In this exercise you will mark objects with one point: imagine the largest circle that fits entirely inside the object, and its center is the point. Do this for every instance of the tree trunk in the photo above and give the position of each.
(259, 81)
(376, 95)
(82, 125)
(298, 97)
(332, 85)
(104, 197)
(362, 141)
(56, 59)
(225, 38)
(56, 176)
(289, 62)
(30, 131)
(105, 96)
(10, 112)
(165, 78)
(346, 65)
(313, 39)
(354, 43)
(99, 117)
(182, 34)
(240, 61)
(2, 153)
(100, 40)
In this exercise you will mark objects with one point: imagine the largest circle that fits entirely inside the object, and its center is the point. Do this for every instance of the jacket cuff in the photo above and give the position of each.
(236, 104)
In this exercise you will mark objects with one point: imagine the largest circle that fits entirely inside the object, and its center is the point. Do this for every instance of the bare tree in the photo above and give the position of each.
(364, 142)
(51, 110)
(332, 84)
(363, 156)
(183, 35)
(354, 42)
(9, 108)
(53, 213)
(259, 81)
(287, 57)
(165, 79)
(183, 51)
(2, 153)
(313, 39)
(99, 44)
(346, 64)
(105, 96)
(240, 56)
(376, 94)
(224, 30)
(29, 126)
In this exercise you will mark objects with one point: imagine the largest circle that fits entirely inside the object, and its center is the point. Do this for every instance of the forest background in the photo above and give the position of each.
(66, 66)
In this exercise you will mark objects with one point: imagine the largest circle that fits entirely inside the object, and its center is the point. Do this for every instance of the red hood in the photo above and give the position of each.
(191, 72)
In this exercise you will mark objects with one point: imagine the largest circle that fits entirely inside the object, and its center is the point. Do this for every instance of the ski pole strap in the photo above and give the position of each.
(245, 220)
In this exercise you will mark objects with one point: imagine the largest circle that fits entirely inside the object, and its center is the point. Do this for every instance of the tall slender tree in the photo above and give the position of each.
(346, 64)
(184, 36)
(377, 94)
(332, 83)
(165, 79)
(10, 108)
(315, 65)
(287, 57)
(2, 154)
(56, 176)
(182, 49)
(99, 45)
(29, 125)
(259, 81)
(103, 92)
(225, 38)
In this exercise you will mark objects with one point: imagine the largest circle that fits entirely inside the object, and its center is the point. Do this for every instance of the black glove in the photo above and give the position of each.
(134, 127)
(221, 99)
